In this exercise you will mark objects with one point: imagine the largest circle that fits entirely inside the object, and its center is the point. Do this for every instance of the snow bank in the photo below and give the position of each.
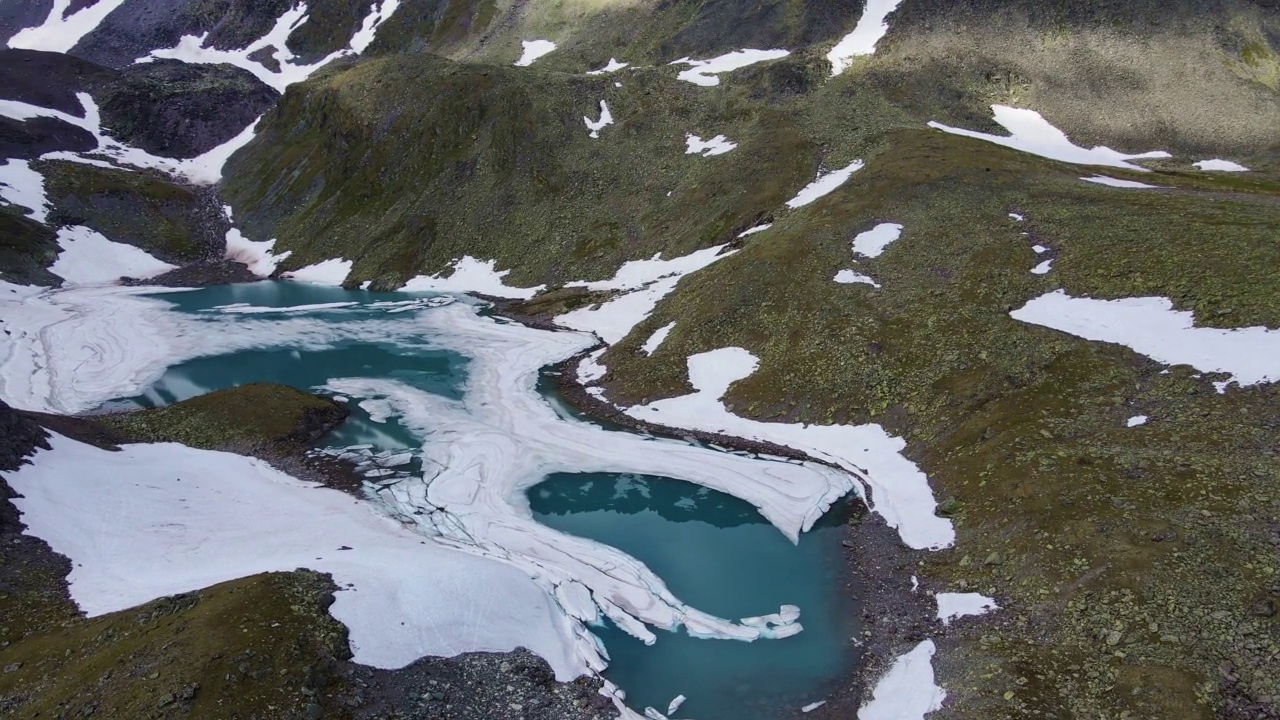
(824, 185)
(182, 519)
(1150, 326)
(328, 272)
(754, 230)
(874, 241)
(1220, 165)
(900, 492)
(612, 66)
(849, 277)
(717, 145)
(1043, 267)
(706, 72)
(862, 41)
(88, 258)
(955, 605)
(907, 691)
(1031, 133)
(258, 256)
(534, 49)
(58, 33)
(595, 126)
(1136, 420)
(472, 276)
(1116, 182)
(24, 187)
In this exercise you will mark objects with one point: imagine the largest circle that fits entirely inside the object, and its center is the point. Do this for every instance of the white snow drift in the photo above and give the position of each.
(474, 276)
(707, 72)
(1220, 165)
(88, 258)
(825, 184)
(60, 32)
(873, 242)
(1150, 326)
(532, 50)
(1031, 133)
(1116, 182)
(24, 187)
(956, 605)
(595, 126)
(717, 145)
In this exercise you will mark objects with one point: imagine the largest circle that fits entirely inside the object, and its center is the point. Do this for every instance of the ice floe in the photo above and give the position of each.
(472, 276)
(612, 66)
(908, 690)
(24, 187)
(955, 605)
(874, 241)
(862, 41)
(204, 169)
(1043, 267)
(825, 184)
(1150, 326)
(849, 277)
(333, 271)
(646, 283)
(655, 341)
(191, 48)
(717, 145)
(900, 492)
(182, 519)
(1116, 182)
(532, 50)
(1029, 132)
(1136, 420)
(61, 31)
(247, 309)
(1220, 165)
(595, 126)
(89, 258)
(707, 72)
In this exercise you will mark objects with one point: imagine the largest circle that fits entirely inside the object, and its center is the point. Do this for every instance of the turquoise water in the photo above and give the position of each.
(717, 553)
(714, 551)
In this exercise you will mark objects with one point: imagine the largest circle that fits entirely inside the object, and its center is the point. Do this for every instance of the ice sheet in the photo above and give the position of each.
(534, 49)
(907, 691)
(862, 41)
(874, 241)
(900, 492)
(1031, 133)
(707, 72)
(824, 185)
(1150, 326)
(182, 519)
(955, 605)
(58, 33)
(473, 276)
(88, 258)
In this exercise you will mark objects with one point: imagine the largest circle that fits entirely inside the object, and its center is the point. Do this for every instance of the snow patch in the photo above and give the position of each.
(1116, 182)
(824, 185)
(328, 272)
(1043, 267)
(813, 706)
(849, 277)
(654, 342)
(612, 66)
(862, 41)
(60, 32)
(1029, 132)
(1151, 327)
(595, 126)
(900, 491)
(1039, 249)
(1016, 217)
(955, 605)
(88, 258)
(534, 49)
(707, 72)
(908, 690)
(717, 145)
(472, 276)
(874, 241)
(258, 256)
(185, 519)
(1220, 165)
(754, 230)
(1136, 420)
(24, 187)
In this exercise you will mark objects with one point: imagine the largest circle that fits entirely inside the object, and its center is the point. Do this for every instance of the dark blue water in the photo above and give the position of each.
(715, 552)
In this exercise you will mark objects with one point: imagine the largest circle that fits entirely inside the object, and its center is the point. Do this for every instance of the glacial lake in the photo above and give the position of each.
(712, 550)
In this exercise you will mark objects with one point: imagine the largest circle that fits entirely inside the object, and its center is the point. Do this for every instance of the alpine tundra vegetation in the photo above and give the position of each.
(716, 359)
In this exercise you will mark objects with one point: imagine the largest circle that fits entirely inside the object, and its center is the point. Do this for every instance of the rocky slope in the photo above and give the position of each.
(1138, 567)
